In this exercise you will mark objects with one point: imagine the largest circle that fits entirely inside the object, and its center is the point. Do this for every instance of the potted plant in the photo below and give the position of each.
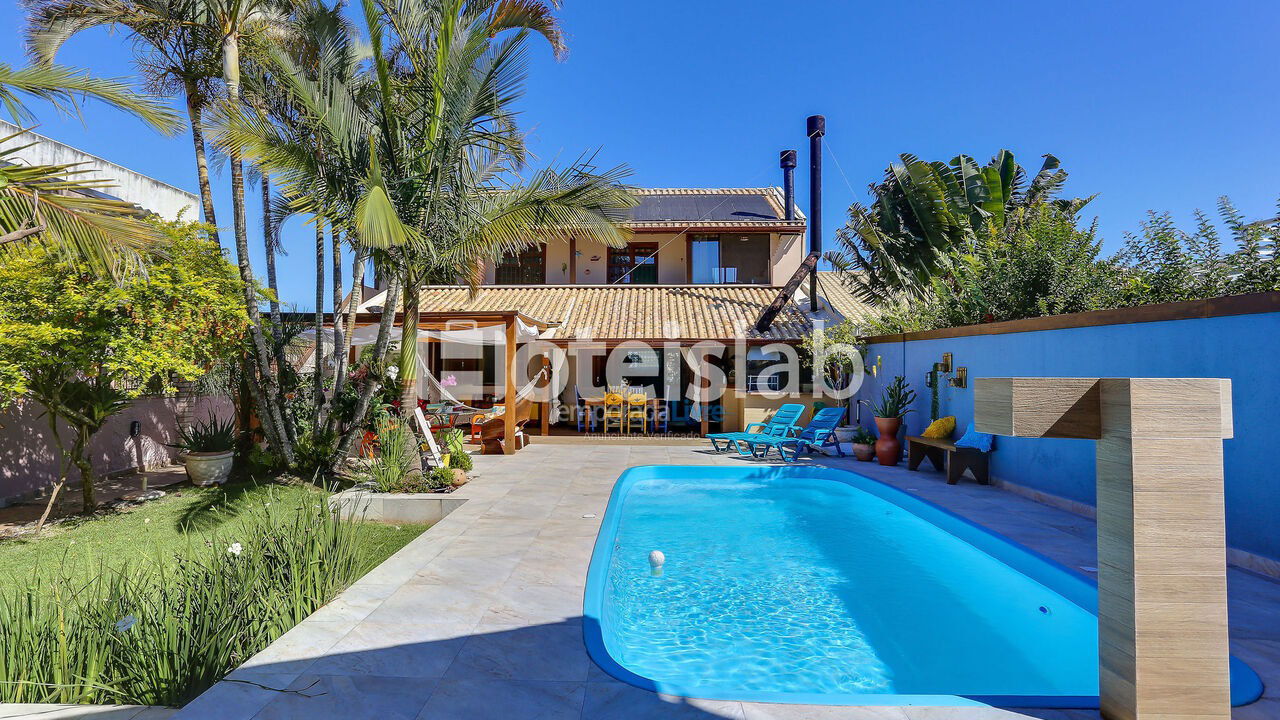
(894, 403)
(210, 450)
(863, 441)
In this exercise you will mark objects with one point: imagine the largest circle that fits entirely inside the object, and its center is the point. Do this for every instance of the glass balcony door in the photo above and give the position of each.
(728, 259)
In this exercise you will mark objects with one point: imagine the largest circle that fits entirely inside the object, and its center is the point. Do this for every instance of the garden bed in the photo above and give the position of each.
(417, 508)
(154, 605)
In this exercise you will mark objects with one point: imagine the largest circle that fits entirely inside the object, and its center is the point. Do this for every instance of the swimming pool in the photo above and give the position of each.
(815, 585)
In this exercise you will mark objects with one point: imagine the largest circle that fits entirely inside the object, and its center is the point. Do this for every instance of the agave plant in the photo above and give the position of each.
(895, 401)
(205, 437)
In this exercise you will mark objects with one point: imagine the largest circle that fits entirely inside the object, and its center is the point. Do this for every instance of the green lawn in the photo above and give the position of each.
(153, 532)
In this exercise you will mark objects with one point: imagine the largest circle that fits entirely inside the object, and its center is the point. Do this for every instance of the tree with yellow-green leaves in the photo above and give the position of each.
(83, 346)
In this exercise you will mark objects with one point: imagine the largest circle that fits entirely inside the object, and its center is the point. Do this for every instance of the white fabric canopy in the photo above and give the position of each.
(487, 335)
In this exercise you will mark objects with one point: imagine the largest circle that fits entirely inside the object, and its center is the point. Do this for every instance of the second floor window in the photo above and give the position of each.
(725, 258)
(527, 268)
(637, 263)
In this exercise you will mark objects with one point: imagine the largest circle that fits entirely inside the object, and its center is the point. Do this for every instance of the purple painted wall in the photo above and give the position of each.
(29, 457)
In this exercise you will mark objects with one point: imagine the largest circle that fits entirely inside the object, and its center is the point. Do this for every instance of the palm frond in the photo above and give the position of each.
(64, 87)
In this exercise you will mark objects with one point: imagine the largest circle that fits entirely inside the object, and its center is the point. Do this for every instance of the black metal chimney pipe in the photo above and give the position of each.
(787, 161)
(816, 126)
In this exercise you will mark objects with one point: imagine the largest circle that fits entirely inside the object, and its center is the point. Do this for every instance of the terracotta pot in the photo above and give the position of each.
(863, 452)
(888, 448)
(209, 468)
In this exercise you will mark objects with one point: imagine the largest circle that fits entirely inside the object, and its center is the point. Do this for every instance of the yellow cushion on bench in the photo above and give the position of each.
(941, 428)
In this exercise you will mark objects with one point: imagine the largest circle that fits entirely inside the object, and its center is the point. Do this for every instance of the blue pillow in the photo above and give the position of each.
(974, 439)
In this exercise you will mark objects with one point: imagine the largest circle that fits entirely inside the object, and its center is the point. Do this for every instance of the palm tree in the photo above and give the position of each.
(48, 202)
(923, 211)
(171, 51)
(417, 158)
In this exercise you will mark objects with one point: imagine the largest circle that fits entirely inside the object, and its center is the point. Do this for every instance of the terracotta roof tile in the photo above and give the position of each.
(642, 312)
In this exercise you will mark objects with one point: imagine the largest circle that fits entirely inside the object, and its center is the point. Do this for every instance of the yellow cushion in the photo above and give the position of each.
(941, 428)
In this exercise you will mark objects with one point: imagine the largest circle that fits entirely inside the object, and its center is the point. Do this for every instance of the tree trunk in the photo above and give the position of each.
(269, 246)
(64, 467)
(202, 162)
(264, 387)
(344, 350)
(339, 336)
(317, 377)
(408, 372)
(371, 383)
(86, 471)
(357, 297)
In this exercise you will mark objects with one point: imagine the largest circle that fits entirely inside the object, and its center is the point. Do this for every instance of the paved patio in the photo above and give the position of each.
(480, 617)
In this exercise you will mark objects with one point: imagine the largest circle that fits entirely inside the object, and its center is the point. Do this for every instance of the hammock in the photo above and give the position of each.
(446, 396)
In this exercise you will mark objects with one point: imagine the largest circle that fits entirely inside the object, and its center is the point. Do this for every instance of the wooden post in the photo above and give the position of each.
(509, 417)
(546, 406)
(704, 393)
(1162, 594)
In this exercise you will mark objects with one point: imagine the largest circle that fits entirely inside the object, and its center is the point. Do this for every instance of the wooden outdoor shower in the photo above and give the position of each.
(1162, 591)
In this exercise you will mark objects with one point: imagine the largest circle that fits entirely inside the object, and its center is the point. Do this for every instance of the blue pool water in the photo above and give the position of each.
(818, 585)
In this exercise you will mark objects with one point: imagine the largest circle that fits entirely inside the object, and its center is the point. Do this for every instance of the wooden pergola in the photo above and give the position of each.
(449, 320)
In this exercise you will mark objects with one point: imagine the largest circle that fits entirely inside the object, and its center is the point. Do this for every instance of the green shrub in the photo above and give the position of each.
(439, 478)
(162, 637)
(390, 468)
(863, 436)
(461, 460)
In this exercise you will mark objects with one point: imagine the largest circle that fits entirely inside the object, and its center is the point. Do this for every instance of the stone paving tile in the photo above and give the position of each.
(355, 604)
(774, 711)
(550, 567)
(343, 697)
(229, 700)
(619, 701)
(295, 651)
(476, 699)
(519, 652)
(486, 575)
(439, 603)
(400, 650)
(1264, 709)
(534, 604)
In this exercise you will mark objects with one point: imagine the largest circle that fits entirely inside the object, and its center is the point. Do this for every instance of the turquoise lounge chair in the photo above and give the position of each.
(818, 433)
(782, 423)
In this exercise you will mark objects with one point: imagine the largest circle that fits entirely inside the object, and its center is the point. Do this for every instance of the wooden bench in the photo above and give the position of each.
(493, 431)
(945, 456)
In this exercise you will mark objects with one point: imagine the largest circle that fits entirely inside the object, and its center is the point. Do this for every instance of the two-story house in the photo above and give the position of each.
(702, 264)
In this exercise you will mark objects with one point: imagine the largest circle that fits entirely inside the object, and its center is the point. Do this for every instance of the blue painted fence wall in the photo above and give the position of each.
(1244, 348)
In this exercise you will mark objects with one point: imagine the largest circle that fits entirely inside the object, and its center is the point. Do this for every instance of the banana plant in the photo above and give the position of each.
(923, 212)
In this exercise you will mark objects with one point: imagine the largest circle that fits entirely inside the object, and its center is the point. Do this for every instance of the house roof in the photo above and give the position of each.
(683, 209)
(838, 295)
(617, 312)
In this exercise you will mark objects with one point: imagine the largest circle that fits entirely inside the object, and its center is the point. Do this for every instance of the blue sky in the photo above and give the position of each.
(1152, 105)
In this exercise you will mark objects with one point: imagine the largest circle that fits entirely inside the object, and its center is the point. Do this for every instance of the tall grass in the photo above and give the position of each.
(163, 636)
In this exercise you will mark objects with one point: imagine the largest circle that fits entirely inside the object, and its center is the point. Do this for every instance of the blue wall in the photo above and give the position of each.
(1244, 348)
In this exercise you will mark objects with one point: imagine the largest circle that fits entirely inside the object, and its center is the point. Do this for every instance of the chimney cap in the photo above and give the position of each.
(816, 125)
(787, 159)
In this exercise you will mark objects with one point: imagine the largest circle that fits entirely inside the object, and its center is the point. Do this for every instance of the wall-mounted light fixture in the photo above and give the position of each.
(960, 379)
(945, 364)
